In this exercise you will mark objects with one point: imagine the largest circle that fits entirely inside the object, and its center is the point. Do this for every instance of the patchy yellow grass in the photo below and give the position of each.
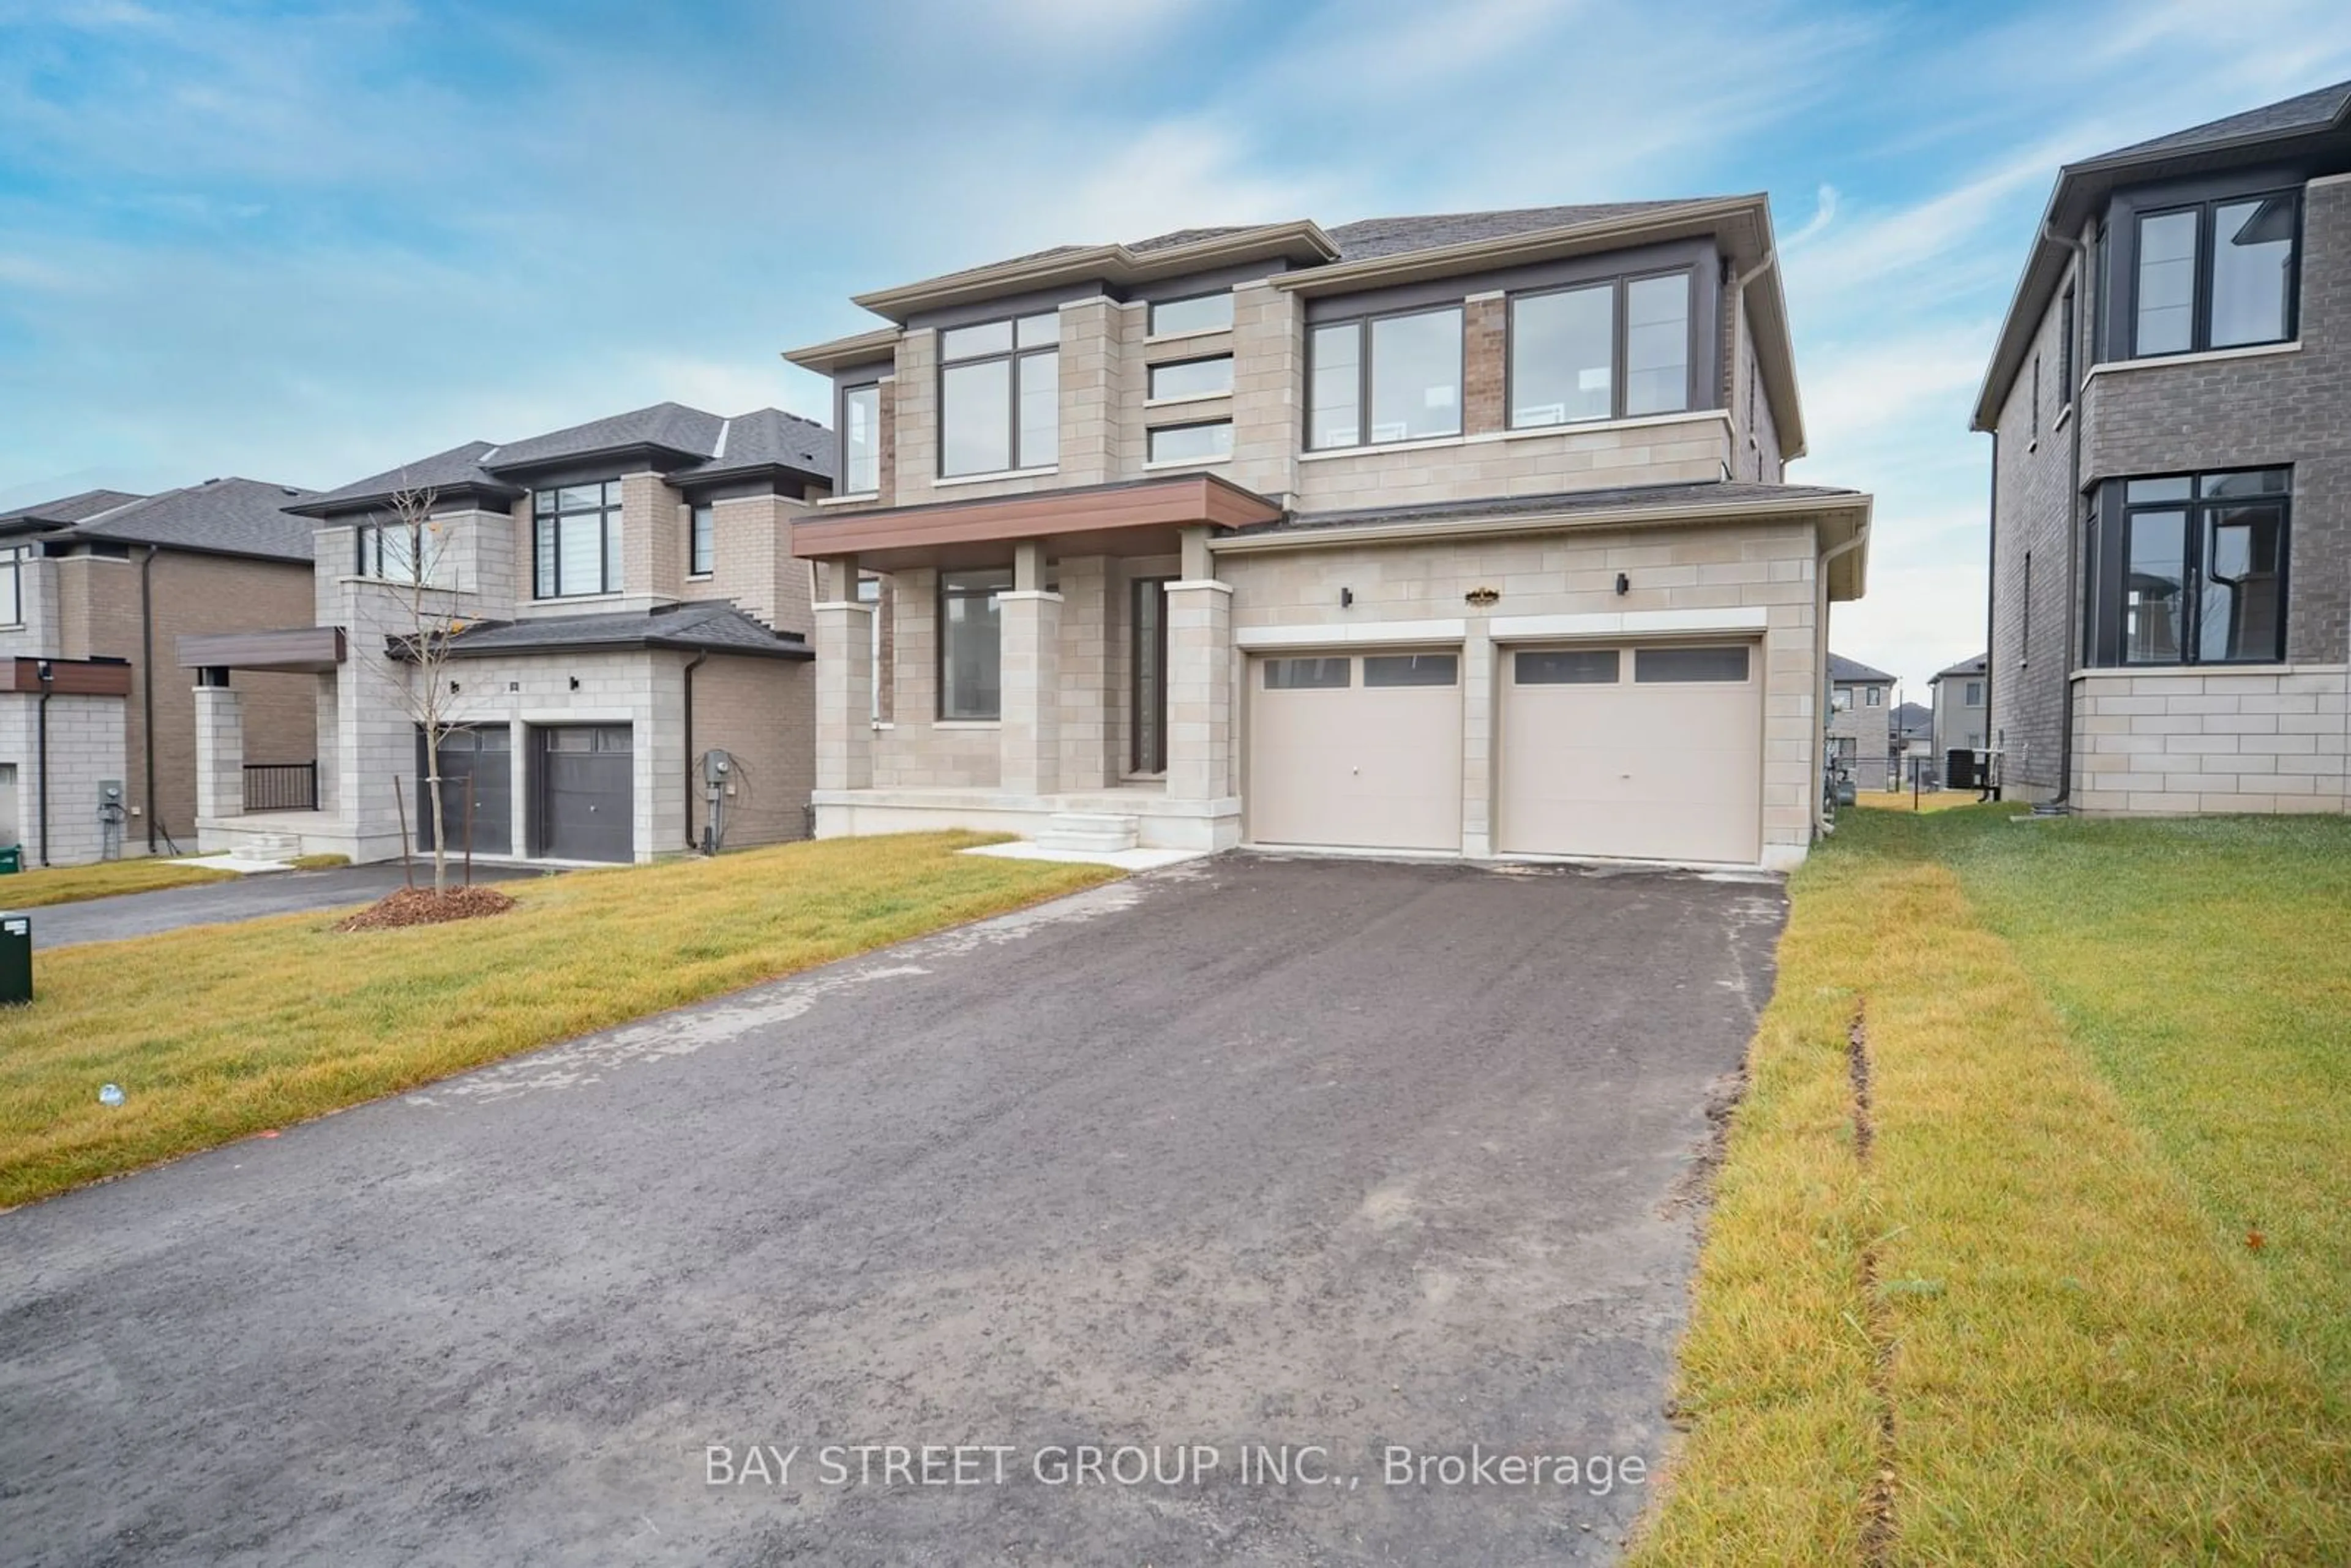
(72, 883)
(1926, 799)
(2030, 1275)
(215, 1033)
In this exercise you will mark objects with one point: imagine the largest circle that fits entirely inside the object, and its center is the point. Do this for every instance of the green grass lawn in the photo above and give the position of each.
(220, 1031)
(2086, 1295)
(72, 883)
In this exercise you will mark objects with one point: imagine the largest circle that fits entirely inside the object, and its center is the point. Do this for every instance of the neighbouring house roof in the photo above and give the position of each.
(1853, 671)
(1913, 720)
(69, 509)
(697, 446)
(2289, 127)
(219, 516)
(1974, 666)
(698, 626)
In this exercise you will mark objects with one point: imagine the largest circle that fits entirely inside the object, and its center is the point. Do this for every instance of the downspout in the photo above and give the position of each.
(2072, 537)
(1820, 691)
(48, 675)
(1991, 596)
(147, 686)
(691, 665)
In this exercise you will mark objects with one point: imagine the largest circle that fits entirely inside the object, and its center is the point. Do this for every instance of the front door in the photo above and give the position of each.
(1148, 659)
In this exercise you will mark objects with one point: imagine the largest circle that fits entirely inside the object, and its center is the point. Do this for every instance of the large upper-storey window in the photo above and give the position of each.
(1199, 313)
(398, 550)
(575, 540)
(861, 440)
(1000, 395)
(1385, 378)
(2216, 275)
(1601, 351)
(2197, 574)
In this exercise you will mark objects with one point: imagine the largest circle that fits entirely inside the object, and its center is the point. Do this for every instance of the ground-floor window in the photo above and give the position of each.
(2190, 569)
(971, 643)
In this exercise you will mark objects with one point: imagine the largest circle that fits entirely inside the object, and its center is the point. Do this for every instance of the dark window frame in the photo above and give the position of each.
(367, 541)
(2200, 309)
(546, 510)
(1147, 684)
(701, 538)
(2068, 324)
(2111, 649)
(1363, 327)
(11, 562)
(1150, 436)
(1151, 317)
(941, 593)
(1619, 335)
(1016, 359)
(1151, 376)
(847, 392)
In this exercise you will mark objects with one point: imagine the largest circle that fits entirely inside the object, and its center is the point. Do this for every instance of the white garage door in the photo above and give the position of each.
(1647, 753)
(1357, 750)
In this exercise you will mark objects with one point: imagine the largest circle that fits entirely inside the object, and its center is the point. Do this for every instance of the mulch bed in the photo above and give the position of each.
(422, 906)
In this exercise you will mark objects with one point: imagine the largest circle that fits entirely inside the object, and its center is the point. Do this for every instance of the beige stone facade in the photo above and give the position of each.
(2179, 742)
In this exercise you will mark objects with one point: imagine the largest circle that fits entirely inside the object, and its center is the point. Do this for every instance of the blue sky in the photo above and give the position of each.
(305, 242)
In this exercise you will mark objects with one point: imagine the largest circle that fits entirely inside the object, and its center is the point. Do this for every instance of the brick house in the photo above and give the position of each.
(96, 760)
(1860, 722)
(1459, 535)
(2171, 512)
(632, 674)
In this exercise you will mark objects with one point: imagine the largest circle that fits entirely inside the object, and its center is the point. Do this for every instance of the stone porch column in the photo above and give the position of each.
(1028, 735)
(844, 681)
(1199, 689)
(220, 750)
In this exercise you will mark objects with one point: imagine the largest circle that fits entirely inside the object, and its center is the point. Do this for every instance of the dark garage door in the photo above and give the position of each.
(585, 792)
(479, 764)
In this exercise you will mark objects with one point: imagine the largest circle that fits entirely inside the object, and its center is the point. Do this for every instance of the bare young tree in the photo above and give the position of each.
(408, 550)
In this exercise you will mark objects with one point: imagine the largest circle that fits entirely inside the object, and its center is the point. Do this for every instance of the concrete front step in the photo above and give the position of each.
(269, 846)
(1096, 833)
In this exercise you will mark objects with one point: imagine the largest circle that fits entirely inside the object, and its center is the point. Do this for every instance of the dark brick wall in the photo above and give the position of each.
(1484, 335)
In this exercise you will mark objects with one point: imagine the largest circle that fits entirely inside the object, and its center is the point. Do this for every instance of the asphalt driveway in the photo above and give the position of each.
(1329, 1158)
(225, 903)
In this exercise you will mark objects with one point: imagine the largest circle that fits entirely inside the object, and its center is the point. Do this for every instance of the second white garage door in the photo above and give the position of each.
(1645, 753)
(1359, 751)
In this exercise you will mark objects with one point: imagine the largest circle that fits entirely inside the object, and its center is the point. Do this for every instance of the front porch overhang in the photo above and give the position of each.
(1143, 517)
(299, 649)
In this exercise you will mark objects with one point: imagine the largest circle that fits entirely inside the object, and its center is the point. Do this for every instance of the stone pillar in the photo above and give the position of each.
(1199, 690)
(844, 681)
(220, 752)
(1029, 735)
(1089, 706)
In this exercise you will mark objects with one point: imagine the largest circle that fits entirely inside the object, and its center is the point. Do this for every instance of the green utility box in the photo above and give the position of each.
(16, 958)
(12, 860)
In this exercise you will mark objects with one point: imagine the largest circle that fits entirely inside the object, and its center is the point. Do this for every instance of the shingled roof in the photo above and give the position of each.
(1853, 671)
(219, 516)
(710, 626)
(1368, 237)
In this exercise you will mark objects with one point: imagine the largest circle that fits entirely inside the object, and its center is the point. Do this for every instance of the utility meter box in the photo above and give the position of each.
(15, 959)
(717, 766)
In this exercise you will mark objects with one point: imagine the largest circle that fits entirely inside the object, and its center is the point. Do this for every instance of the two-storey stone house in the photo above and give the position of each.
(1860, 722)
(1961, 694)
(632, 677)
(97, 755)
(2171, 504)
(1461, 535)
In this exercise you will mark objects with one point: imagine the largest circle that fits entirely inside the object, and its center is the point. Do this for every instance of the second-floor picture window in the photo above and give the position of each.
(400, 551)
(1200, 313)
(1206, 443)
(2219, 275)
(1000, 396)
(1385, 378)
(575, 540)
(1876, 697)
(1192, 378)
(861, 440)
(1567, 345)
(702, 540)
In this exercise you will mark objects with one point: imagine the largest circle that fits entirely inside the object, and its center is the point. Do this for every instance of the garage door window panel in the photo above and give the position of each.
(1659, 666)
(1566, 667)
(1411, 669)
(1307, 675)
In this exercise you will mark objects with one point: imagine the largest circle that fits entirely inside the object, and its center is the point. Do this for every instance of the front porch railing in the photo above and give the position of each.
(281, 785)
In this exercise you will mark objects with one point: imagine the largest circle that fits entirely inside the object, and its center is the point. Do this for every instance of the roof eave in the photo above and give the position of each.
(325, 509)
(1537, 245)
(841, 353)
(624, 452)
(1853, 510)
(1302, 240)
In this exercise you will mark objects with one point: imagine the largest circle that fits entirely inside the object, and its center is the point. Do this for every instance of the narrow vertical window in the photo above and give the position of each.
(1336, 416)
(702, 540)
(2065, 350)
(2166, 283)
(1656, 344)
(575, 540)
(861, 440)
(2025, 640)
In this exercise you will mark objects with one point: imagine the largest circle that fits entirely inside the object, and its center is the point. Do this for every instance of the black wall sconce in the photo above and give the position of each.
(1624, 584)
(452, 688)
(1346, 596)
(575, 683)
